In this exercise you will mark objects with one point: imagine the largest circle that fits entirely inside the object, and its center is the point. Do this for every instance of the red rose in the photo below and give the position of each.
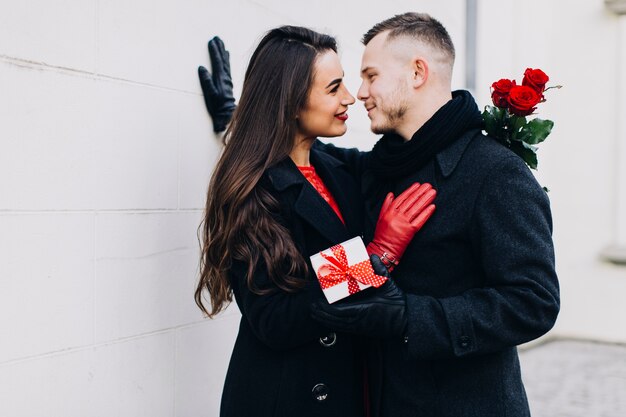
(535, 79)
(503, 86)
(522, 100)
(500, 92)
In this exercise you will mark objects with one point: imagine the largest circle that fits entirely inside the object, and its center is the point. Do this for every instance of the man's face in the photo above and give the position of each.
(384, 87)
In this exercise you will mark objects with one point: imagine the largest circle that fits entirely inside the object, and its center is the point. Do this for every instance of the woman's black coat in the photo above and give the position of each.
(284, 364)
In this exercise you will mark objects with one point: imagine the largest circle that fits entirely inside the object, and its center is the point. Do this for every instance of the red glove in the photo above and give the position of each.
(399, 220)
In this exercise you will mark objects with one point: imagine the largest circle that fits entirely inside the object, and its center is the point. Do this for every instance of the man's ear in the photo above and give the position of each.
(420, 71)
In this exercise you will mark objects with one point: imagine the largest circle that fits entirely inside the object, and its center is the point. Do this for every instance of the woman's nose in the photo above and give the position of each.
(348, 99)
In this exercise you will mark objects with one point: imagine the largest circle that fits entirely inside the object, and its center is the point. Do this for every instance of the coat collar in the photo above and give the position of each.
(285, 174)
(343, 187)
(449, 158)
(309, 205)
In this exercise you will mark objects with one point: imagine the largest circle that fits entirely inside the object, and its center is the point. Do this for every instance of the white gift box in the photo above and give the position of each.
(333, 274)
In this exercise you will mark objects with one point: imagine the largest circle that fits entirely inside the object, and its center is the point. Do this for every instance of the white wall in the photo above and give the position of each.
(106, 151)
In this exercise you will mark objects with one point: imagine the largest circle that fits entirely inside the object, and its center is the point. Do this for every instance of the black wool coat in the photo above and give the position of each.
(283, 363)
(479, 278)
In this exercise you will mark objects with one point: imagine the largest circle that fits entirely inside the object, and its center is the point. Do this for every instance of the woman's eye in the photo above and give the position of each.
(334, 89)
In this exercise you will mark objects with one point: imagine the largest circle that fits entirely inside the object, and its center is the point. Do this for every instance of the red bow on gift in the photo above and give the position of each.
(338, 271)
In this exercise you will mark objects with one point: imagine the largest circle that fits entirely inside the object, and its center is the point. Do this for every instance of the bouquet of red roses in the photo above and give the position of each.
(506, 119)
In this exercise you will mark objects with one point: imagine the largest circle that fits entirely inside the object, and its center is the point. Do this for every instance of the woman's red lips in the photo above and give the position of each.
(342, 116)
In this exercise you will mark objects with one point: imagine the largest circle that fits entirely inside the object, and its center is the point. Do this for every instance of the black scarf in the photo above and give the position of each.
(392, 158)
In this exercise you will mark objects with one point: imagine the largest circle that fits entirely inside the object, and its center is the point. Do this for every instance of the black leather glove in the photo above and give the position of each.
(217, 88)
(375, 312)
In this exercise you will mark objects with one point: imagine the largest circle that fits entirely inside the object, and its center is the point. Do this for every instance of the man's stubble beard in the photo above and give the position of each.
(393, 114)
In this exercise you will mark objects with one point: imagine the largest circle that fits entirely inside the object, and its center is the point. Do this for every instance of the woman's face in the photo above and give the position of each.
(325, 112)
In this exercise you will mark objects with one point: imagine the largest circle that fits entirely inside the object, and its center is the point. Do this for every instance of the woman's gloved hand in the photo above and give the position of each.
(399, 220)
(375, 312)
(217, 88)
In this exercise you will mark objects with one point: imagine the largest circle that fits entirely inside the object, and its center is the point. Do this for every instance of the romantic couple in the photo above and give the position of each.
(468, 281)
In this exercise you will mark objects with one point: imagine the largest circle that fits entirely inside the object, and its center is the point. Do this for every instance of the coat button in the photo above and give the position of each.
(320, 392)
(328, 340)
(464, 341)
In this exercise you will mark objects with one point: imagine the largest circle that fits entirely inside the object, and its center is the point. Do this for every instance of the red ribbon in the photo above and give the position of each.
(338, 271)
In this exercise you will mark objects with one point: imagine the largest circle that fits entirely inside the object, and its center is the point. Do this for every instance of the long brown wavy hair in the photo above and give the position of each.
(238, 222)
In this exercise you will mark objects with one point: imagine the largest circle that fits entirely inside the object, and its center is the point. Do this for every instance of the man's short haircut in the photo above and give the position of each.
(419, 26)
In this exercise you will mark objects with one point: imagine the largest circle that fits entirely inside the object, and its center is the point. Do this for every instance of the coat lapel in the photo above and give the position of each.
(344, 189)
(309, 205)
(449, 158)
(316, 211)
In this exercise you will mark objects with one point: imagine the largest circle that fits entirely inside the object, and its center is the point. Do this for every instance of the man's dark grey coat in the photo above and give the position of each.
(479, 278)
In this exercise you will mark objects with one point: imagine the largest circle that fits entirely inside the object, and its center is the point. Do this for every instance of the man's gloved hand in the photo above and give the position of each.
(399, 220)
(375, 312)
(217, 88)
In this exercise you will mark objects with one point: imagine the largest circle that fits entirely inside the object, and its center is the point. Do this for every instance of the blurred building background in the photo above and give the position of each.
(106, 151)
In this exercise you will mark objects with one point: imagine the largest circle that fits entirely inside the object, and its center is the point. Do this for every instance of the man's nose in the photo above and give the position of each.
(363, 92)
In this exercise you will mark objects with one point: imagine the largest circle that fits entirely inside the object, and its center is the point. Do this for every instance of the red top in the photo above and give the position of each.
(317, 183)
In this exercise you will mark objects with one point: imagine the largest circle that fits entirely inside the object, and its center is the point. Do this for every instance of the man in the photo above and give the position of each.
(479, 278)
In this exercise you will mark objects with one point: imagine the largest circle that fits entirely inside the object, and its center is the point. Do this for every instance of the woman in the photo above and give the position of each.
(272, 202)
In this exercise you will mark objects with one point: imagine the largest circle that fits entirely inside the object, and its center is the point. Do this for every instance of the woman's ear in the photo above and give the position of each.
(420, 72)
